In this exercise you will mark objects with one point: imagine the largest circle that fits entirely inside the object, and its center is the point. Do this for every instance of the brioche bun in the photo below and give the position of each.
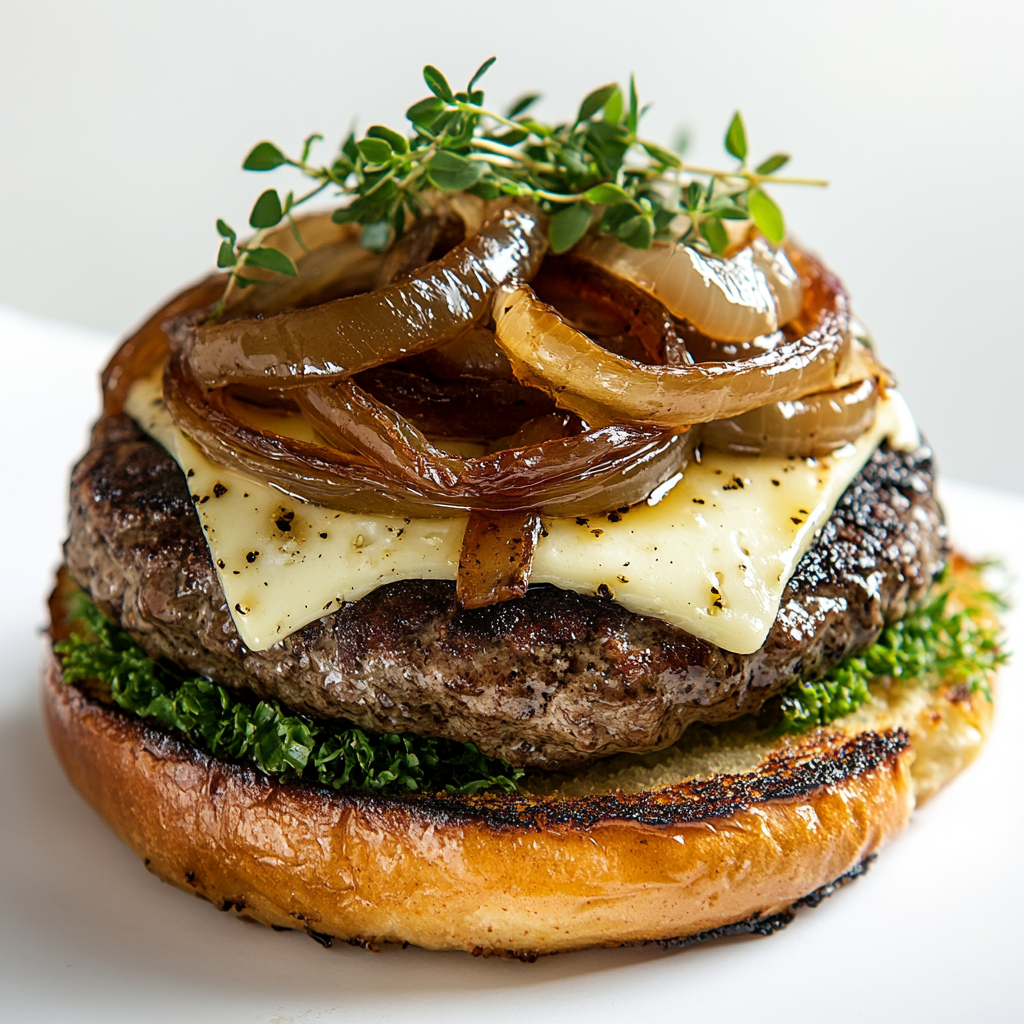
(726, 832)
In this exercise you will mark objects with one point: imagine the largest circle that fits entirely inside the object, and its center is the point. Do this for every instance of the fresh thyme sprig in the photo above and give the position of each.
(596, 165)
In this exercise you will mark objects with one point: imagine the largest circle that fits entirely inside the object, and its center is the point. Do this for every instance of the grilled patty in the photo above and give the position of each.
(551, 680)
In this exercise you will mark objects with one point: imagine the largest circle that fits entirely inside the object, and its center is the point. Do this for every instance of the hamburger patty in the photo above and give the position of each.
(551, 680)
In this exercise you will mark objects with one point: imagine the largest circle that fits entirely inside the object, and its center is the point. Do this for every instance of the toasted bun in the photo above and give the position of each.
(726, 834)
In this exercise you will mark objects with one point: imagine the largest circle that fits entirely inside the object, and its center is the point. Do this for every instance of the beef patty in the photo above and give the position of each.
(551, 680)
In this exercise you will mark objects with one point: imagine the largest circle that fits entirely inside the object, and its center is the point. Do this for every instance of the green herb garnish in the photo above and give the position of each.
(930, 646)
(281, 744)
(573, 171)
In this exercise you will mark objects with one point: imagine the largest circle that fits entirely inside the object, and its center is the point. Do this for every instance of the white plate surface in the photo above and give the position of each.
(933, 932)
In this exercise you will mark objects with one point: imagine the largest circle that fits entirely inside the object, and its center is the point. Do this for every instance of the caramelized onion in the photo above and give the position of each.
(703, 349)
(602, 387)
(146, 349)
(610, 310)
(782, 278)
(496, 557)
(474, 353)
(610, 355)
(430, 238)
(389, 466)
(339, 338)
(332, 265)
(593, 465)
(812, 426)
(464, 407)
(733, 299)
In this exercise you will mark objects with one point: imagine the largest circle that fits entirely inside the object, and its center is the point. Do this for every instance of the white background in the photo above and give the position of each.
(122, 127)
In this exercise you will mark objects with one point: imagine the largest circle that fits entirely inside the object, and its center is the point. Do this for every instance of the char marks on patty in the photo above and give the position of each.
(550, 680)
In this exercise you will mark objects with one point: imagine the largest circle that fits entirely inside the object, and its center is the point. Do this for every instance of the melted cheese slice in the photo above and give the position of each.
(711, 551)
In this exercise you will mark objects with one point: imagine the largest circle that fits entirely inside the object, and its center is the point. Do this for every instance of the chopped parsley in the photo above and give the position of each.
(931, 645)
(937, 643)
(232, 726)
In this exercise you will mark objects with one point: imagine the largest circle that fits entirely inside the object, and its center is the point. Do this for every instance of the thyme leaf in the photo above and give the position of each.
(577, 172)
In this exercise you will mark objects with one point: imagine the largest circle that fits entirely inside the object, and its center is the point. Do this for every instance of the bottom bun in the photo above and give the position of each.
(747, 831)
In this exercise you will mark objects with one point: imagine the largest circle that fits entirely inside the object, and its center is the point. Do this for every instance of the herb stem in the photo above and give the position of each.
(484, 112)
(380, 181)
(511, 153)
(457, 144)
(557, 197)
(752, 176)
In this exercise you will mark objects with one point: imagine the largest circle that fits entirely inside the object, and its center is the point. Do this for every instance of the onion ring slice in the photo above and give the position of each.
(530, 474)
(812, 426)
(610, 310)
(339, 338)
(548, 353)
(591, 471)
(734, 299)
(332, 265)
(146, 349)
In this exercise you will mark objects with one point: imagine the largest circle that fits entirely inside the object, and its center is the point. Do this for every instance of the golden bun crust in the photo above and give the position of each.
(518, 875)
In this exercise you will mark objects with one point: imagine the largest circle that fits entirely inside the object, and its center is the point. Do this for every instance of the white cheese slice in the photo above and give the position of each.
(710, 552)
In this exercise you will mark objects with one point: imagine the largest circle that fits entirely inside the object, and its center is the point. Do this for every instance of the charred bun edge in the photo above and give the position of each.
(491, 875)
(516, 874)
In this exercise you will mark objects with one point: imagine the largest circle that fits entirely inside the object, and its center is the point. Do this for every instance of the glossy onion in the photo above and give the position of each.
(735, 299)
(382, 463)
(496, 557)
(812, 426)
(342, 337)
(335, 266)
(548, 353)
(465, 407)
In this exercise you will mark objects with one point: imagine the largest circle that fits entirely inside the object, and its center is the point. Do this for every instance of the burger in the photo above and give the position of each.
(529, 552)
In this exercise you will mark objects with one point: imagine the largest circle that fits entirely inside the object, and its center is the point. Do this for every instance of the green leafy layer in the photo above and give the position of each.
(937, 643)
(594, 169)
(283, 745)
(934, 644)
